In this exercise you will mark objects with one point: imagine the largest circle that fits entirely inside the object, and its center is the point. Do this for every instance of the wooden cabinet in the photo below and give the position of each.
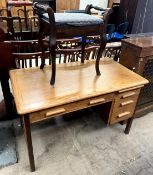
(137, 55)
(62, 5)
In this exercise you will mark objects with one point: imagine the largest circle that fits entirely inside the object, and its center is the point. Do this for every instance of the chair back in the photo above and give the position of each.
(28, 54)
(73, 55)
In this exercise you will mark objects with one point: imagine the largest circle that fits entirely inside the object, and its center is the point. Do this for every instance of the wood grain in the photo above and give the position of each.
(75, 81)
(62, 5)
(67, 108)
(124, 107)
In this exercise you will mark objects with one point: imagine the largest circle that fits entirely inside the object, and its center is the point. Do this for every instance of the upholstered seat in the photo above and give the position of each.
(75, 19)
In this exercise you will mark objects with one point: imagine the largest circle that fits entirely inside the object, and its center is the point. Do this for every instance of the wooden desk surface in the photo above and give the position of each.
(141, 42)
(74, 81)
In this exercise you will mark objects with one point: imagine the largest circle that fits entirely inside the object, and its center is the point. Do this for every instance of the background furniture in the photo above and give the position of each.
(62, 5)
(115, 98)
(19, 3)
(111, 2)
(57, 5)
(138, 13)
(137, 55)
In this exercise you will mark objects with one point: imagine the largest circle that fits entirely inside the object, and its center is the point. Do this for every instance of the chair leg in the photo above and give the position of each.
(52, 82)
(9, 11)
(26, 17)
(83, 49)
(53, 59)
(40, 41)
(101, 49)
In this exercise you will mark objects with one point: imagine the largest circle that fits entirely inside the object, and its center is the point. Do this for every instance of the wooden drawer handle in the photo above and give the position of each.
(128, 95)
(99, 100)
(123, 114)
(127, 103)
(55, 111)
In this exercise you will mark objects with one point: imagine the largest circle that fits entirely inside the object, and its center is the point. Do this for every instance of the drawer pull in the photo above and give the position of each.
(123, 114)
(55, 111)
(129, 95)
(92, 102)
(127, 103)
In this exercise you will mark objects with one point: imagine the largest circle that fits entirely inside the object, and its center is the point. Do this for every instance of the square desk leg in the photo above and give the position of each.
(27, 134)
(128, 125)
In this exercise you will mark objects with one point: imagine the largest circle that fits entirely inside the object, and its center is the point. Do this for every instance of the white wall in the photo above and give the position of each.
(100, 3)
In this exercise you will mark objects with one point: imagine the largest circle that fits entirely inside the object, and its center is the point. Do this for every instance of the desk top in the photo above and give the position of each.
(140, 42)
(74, 81)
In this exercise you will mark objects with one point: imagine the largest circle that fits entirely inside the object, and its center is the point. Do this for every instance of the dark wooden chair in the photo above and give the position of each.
(28, 53)
(73, 55)
(10, 24)
(3, 12)
(66, 25)
(18, 3)
(14, 30)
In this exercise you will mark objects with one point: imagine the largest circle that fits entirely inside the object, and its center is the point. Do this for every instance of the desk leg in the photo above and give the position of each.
(128, 125)
(100, 51)
(27, 134)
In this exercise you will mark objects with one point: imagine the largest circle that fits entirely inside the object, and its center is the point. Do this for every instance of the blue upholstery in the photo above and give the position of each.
(75, 19)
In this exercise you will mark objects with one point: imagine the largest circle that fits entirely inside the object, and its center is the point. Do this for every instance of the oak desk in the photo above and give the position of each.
(77, 87)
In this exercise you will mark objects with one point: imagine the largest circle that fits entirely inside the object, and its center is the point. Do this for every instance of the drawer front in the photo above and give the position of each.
(124, 106)
(74, 106)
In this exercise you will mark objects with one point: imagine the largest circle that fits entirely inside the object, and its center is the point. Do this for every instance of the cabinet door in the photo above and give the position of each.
(74, 4)
(62, 5)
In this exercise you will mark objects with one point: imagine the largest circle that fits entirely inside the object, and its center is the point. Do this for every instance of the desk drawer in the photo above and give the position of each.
(124, 106)
(74, 106)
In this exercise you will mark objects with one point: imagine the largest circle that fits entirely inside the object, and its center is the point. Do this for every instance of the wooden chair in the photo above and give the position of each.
(28, 53)
(14, 30)
(3, 12)
(63, 25)
(10, 21)
(73, 55)
(112, 49)
(18, 3)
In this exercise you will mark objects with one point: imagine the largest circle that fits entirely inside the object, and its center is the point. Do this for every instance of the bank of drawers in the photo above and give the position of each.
(124, 106)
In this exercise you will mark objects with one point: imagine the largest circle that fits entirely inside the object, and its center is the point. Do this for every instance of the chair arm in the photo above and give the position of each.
(40, 9)
(105, 12)
(90, 6)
